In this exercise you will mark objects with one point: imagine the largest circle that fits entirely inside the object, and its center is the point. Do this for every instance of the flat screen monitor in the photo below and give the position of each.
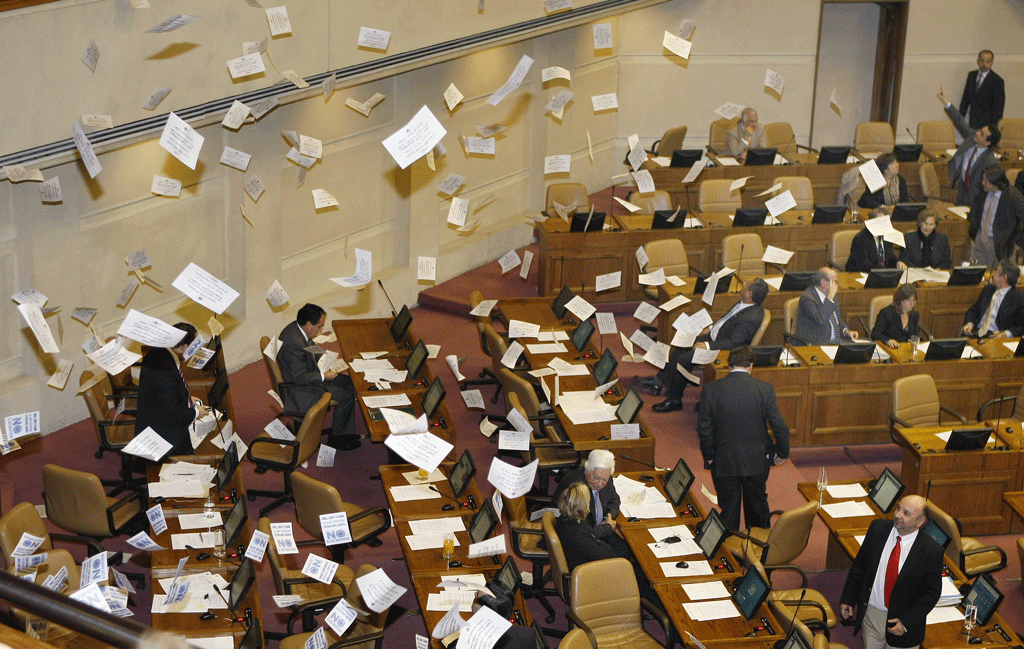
(677, 482)
(747, 217)
(433, 397)
(401, 323)
(215, 395)
(711, 534)
(240, 584)
(767, 355)
(934, 531)
(686, 157)
(629, 407)
(829, 213)
(907, 152)
(966, 276)
(760, 157)
(702, 283)
(587, 222)
(558, 306)
(968, 439)
(462, 473)
(906, 211)
(483, 523)
(253, 638)
(605, 367)
(1020, 351)
(985, 596)
(510, 576)
(854, 353)
(235, 521)
(883, 278)
(795, 641)
(581, 335)
(886, 490)
(417, 359)
(945, 349)
(668, 219)
(751, 591)
(797, 280)
(227, 466)
(833, 155)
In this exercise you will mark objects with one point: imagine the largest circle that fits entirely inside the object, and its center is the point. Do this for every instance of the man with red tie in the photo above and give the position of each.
(974, 155)
(895, 580)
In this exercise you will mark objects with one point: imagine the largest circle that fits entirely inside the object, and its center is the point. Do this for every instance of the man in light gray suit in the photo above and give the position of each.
(975, 154)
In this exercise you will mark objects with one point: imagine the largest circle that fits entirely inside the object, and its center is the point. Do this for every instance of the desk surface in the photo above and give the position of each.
(729, 632)
(430, 561)
(391, 475)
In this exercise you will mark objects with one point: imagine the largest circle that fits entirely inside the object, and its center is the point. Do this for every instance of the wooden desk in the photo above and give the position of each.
(638, 539)
(536, 310)
(370, 335)
(683, 514)
(391, 475)
(174, 507)
(190, 626)
(968, 485)
(430, 562)
(725, 633)
(379, 430)
(1015, 501)
(837, 557)
(164, 563)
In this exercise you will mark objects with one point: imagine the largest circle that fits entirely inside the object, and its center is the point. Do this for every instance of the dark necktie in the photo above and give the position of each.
(181, 373)
(881, 253)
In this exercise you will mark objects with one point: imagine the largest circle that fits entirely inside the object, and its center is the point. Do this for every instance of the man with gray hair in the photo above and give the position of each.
(746, 135)
(596, 473)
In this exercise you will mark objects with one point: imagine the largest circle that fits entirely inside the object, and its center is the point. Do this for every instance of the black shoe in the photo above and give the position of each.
(668, 405)
(652, 385)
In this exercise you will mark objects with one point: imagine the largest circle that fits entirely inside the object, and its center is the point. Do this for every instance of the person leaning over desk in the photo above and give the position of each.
(926, 247)
(999, 310)
(897, 322)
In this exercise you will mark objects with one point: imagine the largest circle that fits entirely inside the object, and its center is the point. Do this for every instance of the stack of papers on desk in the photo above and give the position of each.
(941, 614)
(658, 510)
(201, 585)
(459, 589)
(706, 590)
(402, 493)
(717, 609)
(429, 533)
(854, 490)
(546, 348)
(179, 489)
(681, 548)
(950, 594)
(924, 275)
(195, 539)
(565, 368)
(187, 471)
(193, 603)
(696, 569)
(848, 509)
(583, 407)
(414, 477)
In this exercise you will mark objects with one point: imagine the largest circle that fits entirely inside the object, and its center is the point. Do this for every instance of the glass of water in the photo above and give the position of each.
(970, 618)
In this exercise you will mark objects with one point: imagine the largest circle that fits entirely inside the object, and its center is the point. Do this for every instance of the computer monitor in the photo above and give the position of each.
(235, 521)
(934, 531)
(796, 280)
(629, 407)
(558, 306)
(760, 157)
(966, 276)
(883, 278)
(483, 522)
(833, 155)
(433, 397)
(401, 323)
(711, 533)
(767, 355)
(253, 638)
(985, 596)
(829, 213)
(227, 466)
(886, 490)
(662, 219)
(417, 359)
(751, 591)
(215, 395)
(587, 222)
(795, 641)
(702, 283)
(605, 367)
(510, 575)
(945, 349)
(686, 157)
(1019, 353)
(581, 335)
(748, 217)
(677, 482)
(907, 152)
(854, 353)
(974, 438)
(462, 473)
(241, 583)
(906, 211)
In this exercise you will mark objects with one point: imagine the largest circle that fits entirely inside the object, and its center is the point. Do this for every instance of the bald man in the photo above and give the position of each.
(895, 579)
(747, 134)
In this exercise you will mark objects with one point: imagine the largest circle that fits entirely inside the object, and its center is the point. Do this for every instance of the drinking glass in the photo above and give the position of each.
(970, 617)
(822, 484)
(448, 546)
(914, 342)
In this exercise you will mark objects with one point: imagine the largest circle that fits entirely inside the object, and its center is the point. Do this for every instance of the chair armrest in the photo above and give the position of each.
(788, 567)
(805, 603)
(763, 544)
(864, 325)
(299, 610)
(309, 543)
(894, 420)
(834, 266)
(654, 147)
(713, 151)
(787, 337)
(294, 581)
(135, 495)
(575, 620)
(93, 545)
(927, 334)
(777, 267)
(517, 533)
(660, 616)
(984, 406)
(962, 419)
(985, 548)
(857, 154)
(105, 424)
(377, 638)
(294, 443)
(373, 511)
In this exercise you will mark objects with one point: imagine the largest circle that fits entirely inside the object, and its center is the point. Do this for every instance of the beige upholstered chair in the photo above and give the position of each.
(487, 376)
(611, 616)
(279, 385)
(790, 313)
(783, 542)
(759, 334)
(566, 194)
(936, 135)
(716, 196)
(556, 558)
(874, 138)
(577, 639)
(525, 536)
(1012, 129)
(716, 134)
(1011, 175)
(779, 135)
(743, 252)
(314, 498)
(76, 502)
(1016, 417)
(23, 518)
(840, 251)
(650, 202)
(668, 255)
(878, 303)
(669, 142)
(815, 610)
(112, 432)
(915, 402)
(801, 189)
(933, 192)
(970, 555)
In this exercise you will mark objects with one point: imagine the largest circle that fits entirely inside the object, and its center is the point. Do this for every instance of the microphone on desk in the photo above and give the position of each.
(643, 462)
(202, 556)
(779, 644)
(846, 449)
(739, 268)
(235, 619)
(457, 502)
(911, 136)
(394, 313)
(440, 422)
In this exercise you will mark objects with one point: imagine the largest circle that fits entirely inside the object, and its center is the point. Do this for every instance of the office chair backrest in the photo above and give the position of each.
(936, 135)
(779, 135)
(759, 334)
(930, 186)
(312, 427)
(874, 137)
(785, 612)
(1012, 129)
(840, 251)
(789, 535)
(559, 566)
(790, 311)
(75, 501)
(1011, 176)
(800, 188)
(1018, 406)
(475, 298)
(878, 303)
(575, 639)
(96, 402)
(278, 567)
(273, 369)
(716, 196)
(743, 253)
(355, 598)
(669, 255)
(313, 498)
(651, 202)
(716, 134)
(948, 525)
(519, 394)
(21, 518)
(915, 400)
(518, 516)
(606, 610)
(495, 346)
(670, 141)
(566, 194)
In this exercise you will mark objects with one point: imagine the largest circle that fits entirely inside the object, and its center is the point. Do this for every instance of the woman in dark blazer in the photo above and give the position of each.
(926, 247)
(897, 322)
(895, 188)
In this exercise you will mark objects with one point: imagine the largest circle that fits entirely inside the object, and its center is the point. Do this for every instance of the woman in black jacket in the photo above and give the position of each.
(926, 247)
(897, 322)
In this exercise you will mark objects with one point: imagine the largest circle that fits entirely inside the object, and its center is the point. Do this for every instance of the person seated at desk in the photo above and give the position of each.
(747, 134)
(596, 473)
(868, 251)
(897, 322)
(999, 310)
(895, 188)
(736, 328)
(926, 246)
(818, 321)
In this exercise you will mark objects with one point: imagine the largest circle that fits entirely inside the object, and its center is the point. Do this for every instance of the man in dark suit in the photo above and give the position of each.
(737, 327)
(818, 321)
(298, 358)
(999, 310)
(895, 580)
(735, 413)
(994, 222)
(865, 255)
(972, 157)
(596, 473)
(164, 403)
(984, 96)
